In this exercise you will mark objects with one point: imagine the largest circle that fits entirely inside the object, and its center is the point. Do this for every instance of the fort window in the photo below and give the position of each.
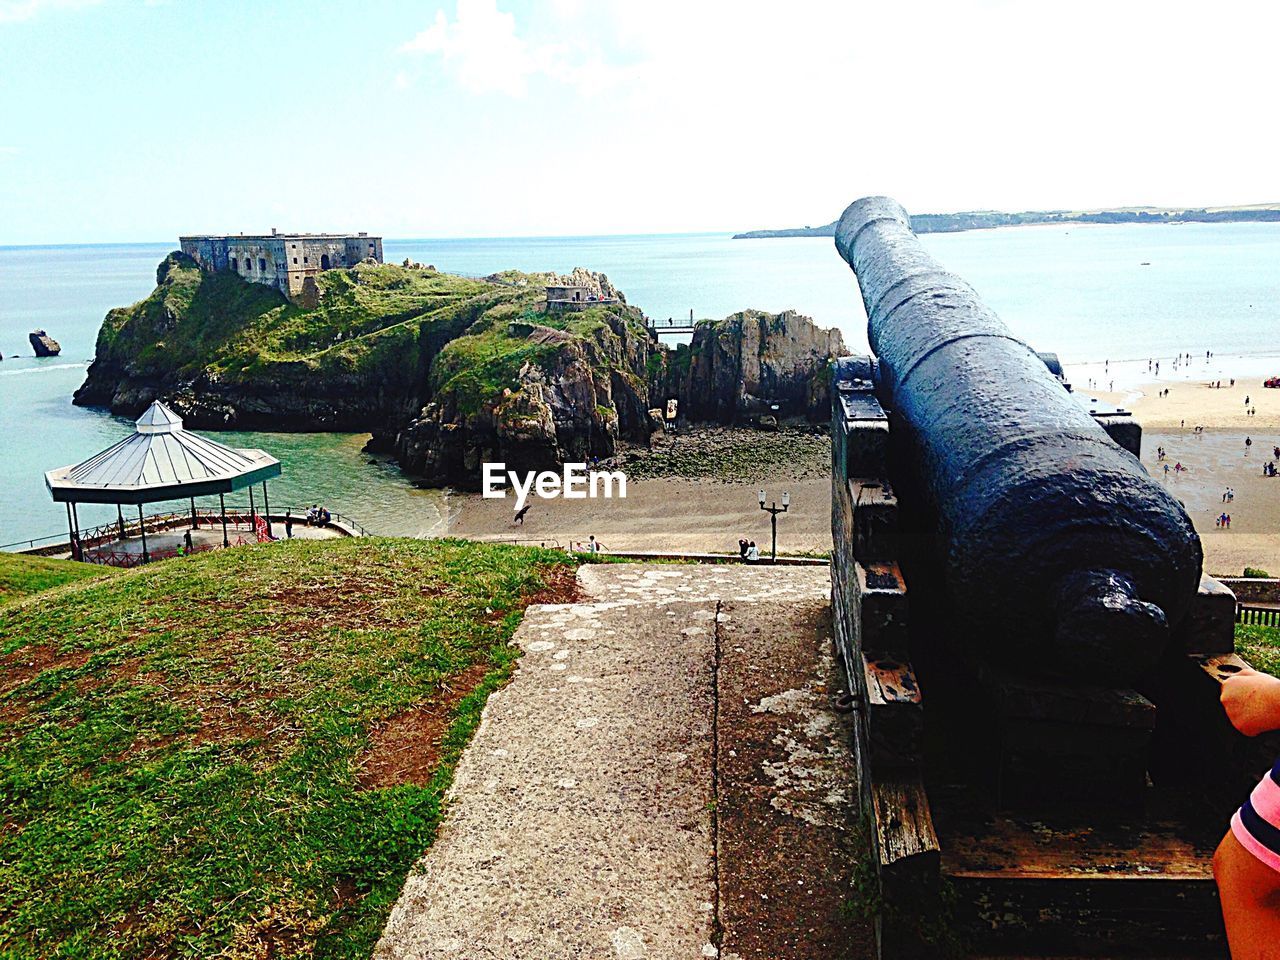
(235, 264)
(295, 259)
(262, 264)
(324, 261)
(305, 260)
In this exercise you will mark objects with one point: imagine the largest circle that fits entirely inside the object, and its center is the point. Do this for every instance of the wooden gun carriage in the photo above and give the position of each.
(1033, 652)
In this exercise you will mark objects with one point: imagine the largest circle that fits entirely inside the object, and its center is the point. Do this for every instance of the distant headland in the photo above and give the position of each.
(986, 219)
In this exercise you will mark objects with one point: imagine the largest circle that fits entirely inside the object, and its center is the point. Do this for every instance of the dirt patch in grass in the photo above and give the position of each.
(29, 662)
(561, 587)
(406, 748)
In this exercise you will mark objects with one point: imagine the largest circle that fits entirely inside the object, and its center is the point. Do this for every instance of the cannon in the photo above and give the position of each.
(1055, 540)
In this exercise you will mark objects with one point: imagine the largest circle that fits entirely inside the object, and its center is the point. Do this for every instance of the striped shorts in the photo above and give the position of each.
(1257, 823)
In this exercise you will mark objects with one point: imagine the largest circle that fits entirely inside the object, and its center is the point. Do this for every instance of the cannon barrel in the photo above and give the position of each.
(1059, 547)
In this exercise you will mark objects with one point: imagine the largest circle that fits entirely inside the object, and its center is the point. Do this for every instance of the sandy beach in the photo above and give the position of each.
(1217, 457)
(1191, 400)
(672, 515)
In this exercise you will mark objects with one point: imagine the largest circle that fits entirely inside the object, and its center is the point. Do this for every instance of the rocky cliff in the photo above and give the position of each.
(532, 391)
(755, 364)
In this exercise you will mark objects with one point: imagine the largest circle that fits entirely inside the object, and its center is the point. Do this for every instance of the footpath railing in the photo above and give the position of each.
(1255, 615)
(103, 539)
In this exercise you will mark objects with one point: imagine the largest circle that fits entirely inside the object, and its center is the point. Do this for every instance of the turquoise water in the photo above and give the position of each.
(1081, 291)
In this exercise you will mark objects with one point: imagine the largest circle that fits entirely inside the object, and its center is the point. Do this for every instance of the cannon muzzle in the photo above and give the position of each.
(1058, 544)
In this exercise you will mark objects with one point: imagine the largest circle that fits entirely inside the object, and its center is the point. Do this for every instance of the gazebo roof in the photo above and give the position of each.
(160, 461)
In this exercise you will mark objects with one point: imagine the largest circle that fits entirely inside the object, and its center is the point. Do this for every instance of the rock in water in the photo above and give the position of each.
(44, 345)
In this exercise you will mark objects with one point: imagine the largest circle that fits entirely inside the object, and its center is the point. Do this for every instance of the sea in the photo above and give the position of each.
(1092, 294)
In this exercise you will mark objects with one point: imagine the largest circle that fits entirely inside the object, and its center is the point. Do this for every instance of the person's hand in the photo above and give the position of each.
(1252, 701)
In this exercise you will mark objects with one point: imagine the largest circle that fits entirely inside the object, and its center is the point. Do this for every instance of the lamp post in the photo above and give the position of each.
(774, 510)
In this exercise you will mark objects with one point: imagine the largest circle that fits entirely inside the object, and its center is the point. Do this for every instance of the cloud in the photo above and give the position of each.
(15, 11)
(481, 49)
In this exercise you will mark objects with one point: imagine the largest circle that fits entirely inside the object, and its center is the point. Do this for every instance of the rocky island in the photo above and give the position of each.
(446, 371)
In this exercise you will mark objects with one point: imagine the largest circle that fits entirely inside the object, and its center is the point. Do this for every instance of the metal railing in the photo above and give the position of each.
(237, 516)
(1258, 616)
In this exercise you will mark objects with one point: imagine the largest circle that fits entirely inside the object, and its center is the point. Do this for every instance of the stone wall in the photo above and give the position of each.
(282, 261)
(1253, 589)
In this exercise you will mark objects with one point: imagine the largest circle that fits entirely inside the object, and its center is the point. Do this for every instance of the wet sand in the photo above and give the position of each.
(1214, 460)
(685, 516)
(1191, 400)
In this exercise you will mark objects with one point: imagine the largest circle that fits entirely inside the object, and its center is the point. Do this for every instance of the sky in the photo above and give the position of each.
(139, 120)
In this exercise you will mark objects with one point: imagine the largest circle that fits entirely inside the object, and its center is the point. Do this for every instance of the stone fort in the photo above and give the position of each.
(285, 261)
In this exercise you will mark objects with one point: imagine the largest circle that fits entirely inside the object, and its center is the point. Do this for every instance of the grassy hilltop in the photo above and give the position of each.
(229, 352)
(21, 576)
(206, 756)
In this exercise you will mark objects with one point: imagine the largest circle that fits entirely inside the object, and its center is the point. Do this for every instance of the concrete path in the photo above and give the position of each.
(663, 778)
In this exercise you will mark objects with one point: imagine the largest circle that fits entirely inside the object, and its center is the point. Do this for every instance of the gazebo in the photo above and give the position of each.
(161, 461)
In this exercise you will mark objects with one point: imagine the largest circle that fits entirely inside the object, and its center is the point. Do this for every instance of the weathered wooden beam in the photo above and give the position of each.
(881, 601)
(862, 431)
(906, 842)
(1061, 744)
(895, 716)
(875, 520)
(1209, 626)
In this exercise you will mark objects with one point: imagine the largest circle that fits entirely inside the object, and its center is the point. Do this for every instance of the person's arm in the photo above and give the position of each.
(1252, 701)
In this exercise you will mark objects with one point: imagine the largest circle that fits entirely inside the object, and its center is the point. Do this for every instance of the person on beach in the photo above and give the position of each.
(186, 542)
(1166, 469)
(1248, 442)
(753, 553)
(594, 546)
(520, 514)
(288, 523)
(742, 549)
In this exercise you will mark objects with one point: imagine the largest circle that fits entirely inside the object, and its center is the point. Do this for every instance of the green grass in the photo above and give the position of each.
(475, 369)
(367, 315)
(1260, 646)
(181, 745)
(22, 575)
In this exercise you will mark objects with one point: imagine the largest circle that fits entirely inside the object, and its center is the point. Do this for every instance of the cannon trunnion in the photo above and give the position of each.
(1032, 649)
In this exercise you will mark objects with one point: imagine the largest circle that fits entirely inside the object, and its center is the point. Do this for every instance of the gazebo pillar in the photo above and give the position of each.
(222, 505)
(77, 548)
(142, 529)
(253, 514)
(266, 510)
(194, 523)
(120, 520)
(71, 533)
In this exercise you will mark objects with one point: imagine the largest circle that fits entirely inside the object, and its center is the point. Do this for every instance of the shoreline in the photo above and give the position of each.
(1190, 401)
